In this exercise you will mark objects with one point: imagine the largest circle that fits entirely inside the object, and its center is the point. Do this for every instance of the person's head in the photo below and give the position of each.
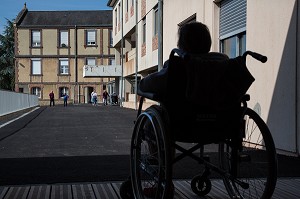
(194, 37)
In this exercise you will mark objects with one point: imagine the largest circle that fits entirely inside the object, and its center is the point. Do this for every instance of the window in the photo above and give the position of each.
(110, 38)
(36, 91)
(35, 38)
(127, 5)
(111, 61)
(91, 37)
(64, 66)
(36, 68)
(21, 90)
(63, 91)
(232, 28)
(116, 16)
(234, 46)
(64, 38)
(91, 61)
(119, 12)
(144, 30)
(156, 21)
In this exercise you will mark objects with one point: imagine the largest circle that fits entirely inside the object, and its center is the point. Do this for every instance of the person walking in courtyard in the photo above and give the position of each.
(94, 98)
(105, 95)
(51, 96)
(66, 97)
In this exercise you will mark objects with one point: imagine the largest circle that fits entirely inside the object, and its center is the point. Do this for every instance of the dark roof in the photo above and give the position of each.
(65, 18)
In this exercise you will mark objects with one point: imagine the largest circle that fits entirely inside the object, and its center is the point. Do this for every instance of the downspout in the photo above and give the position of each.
(297, 75)
(136, 56)
(160, 35)
(76, 66)
(122, 64)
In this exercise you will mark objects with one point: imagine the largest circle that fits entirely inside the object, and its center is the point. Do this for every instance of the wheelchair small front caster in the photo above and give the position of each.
(126, 190)
(201, 185)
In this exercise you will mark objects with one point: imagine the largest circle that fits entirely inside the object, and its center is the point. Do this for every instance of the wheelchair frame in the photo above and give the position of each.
(152, 156)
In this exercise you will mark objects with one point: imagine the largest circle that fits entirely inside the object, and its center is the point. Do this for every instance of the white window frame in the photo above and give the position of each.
(127, 5)
(36, 91)
(111, 61)
(238, 49)
(36, 67)
(63, 66)
(91, 61)
(110, 37)
(91, 37)
(144, 30)
(63, 90)
(155, 21)
(36, 38)
(64, 38)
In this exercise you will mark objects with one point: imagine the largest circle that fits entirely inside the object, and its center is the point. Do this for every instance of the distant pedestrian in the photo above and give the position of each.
(114, 99)
(51, 96)
(66, 97)
(94, 98)
(105, 95)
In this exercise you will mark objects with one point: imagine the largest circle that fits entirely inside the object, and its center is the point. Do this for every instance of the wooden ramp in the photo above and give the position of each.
(286, 188)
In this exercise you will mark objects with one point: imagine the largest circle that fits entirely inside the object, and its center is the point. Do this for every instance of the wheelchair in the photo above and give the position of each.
(246, 154)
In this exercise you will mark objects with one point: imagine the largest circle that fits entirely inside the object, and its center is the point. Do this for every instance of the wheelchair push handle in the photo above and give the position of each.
(255, 55)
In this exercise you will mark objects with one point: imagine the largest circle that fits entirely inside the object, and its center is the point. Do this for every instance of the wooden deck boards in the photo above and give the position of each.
(286, 188)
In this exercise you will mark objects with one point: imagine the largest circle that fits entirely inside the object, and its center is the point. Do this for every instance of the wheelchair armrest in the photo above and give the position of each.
(148, 95)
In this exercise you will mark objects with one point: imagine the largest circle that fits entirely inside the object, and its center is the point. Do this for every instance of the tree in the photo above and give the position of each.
(7, 71)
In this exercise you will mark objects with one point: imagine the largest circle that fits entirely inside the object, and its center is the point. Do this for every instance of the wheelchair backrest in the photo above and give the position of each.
(208, 81)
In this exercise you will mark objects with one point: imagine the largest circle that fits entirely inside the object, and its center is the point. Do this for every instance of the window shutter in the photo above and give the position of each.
(232, 17)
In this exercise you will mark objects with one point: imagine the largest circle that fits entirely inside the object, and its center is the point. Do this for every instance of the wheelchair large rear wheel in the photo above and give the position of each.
(151, 168)
(253, 166)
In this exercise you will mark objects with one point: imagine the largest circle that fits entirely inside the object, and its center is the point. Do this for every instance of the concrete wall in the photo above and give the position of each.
(273, 30)
(12, 102)
(206, 12)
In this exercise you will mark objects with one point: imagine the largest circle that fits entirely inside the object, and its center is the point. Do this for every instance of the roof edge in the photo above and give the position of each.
(21, 15)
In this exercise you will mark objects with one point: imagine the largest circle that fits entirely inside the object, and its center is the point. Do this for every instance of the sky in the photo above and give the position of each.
(9, 9)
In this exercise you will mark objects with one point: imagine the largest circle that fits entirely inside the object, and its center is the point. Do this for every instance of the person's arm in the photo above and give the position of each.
(155, 82)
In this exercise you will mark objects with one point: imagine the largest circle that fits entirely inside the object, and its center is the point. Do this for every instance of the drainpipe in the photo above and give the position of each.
(136, 55)
(76, 66)
(297, 76)
(122, 64)
(160, 35)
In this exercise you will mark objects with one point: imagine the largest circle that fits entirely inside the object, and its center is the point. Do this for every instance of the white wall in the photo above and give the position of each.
(11, 102)
(272, 31)
(176, 11)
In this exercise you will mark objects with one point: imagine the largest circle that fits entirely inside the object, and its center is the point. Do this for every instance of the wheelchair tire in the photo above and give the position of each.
(201, 185)
(151, 168)
(253, 166)
(126, 190)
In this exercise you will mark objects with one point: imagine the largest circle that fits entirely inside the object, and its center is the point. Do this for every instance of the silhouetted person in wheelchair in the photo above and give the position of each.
(194, 38)
(211, 109)
(210, 82)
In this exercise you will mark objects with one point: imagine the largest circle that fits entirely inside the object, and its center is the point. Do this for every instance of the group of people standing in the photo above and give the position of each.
(65, 97)
(94, 98)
